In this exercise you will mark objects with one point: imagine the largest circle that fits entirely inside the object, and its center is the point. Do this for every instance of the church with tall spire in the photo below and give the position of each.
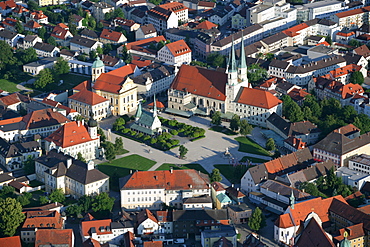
(201, 91)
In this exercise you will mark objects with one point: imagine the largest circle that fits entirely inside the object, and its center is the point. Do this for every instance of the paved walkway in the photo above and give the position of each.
(207, 152)
(21, 86)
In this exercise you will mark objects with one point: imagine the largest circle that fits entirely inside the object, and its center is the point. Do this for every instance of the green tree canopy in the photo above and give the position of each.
(183, 151)
(7, 56)
(29, 165)
(118, 145)
(354, 43)
(43, 200)
(216, 118)
(32, 5)
(245, 127)
(41, 32)
(61, 67)
(102, 202)
(80, 157)
(51, 41)
(85, 202)
(329, 40)
(103, 138)
(216, 60)
(216, 175)
(235, 123)
(27, 56)
(270, 144)
(44, 78)
(256, 74)
(11, 216)
(110, 152)
(57, 196)
(357, 78)
(257, 220)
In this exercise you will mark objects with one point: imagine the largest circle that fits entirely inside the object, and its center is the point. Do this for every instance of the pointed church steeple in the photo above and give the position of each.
(243, 69)
(232, 61)
(139, 111)
(232, 72)
(155, 107)
(243, 63)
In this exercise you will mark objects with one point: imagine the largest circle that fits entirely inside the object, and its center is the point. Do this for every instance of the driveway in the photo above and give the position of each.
(207, 152)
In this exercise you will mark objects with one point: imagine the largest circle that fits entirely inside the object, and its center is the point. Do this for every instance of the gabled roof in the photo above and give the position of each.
(83, 85)
(11, 241)
(111, 35)
(314, 235)
(69, 134)
(100, 227)
(32, 24)
(148, 29)
(178, 48)
(43, 219)
(90, 242)
(113, 80)
(354, 232)
(58, 105)
(352, 12)
(9, 4)
(79, 40)
(168, 180)
(284, 190)
(14, 98)
(53, 237)
(258, 98)
(61, 31)
(44, 47)
(206, 25)
(201, 81)
(6, 34)
(144, 215)
(145, 42)
(362, 51)
(43, 118)
(38, 15)
(88, 97)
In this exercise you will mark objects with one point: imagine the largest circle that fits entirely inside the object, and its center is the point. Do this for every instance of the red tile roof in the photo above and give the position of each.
(10, 99)
(11, 241)
(99, 225)
(38, 15)
(168, 180)
(178, 48)
(10, 22)
(11, 120)
(145, 42)
(298, 94)
(83, 85)
(112, 81)
(91, 243)
(323, 43)
(363, 51)
(201, 81)
(173, 6)
(88, 97)
(347, 129)
(258, 98)
(294, 31)
(352, 12)
(336, 73)
(42, 219)
(32, 24)
(70, 134)
(153, 243)
(207, 25)
(345, 34)
(286, 161)
(60, 31)
(354, 231)
(365, 209)
(284, 221)
(355, 195)
(39, 117)
(53, 237)
(217, 186)
(58, 105)
(159, 104)
(141, 64)
(297, 143)
(10, 4)
(111, 35)
(144, 215)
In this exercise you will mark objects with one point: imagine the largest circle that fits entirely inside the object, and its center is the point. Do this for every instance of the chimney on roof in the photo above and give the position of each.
(83, 122)
(130, 171)
(171, 170)
(69, 163)
(78, 123)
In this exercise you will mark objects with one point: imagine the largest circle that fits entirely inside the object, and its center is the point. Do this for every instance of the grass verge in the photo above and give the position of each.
(247, 145)
(223, 130)
(167, 166)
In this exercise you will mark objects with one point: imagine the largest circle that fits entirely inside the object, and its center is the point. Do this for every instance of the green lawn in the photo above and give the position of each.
(221, 129)
(231, 173)
(124, 151)
(247, 145)
(35, 183)
(8, 86)
(167, 166)
(69, 82)
(253, 160)
(121, 167)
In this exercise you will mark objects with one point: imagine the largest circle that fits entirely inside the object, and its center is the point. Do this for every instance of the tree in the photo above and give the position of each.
(118, 145)
(103, 138)
(11, 216)
(74, 210)
(270, 144)
(216, 60)
(80, 157)
(7, 190)
(354, 43)
(85, 202)
(27, 56)
(245, 127)
(256, 74)
(107, 48)
(155, 2)
(41, 32)
(183, 151)
(99, 25)
(329, 40)
(357, 78)
(257, 220)
(216, 118)
(51, 41)
(61, 67)
(118, 13)
(216, 175)
(44, 78)
(23, 200)
(119, 124)
(235, 123)
(29, 165)
(92, 55)
(7, 56)
(99, 50)
(32, 5)
(57, 196)
(110, 152)
(43, 200)
(102, 202)
(92, 23)
(19, 27)
(269, 56)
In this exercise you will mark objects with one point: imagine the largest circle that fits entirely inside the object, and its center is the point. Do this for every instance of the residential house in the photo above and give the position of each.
(84, 45)
(86, 102)
(46, 50)
(344, 37)
(45, 237)
(104, 231)
(28, 41)
(42, 3)
(255, 176)
(111, 61)
(89, 34)
(76, 178)
(239, 214)
(304, 130)
(145, 31)
(98, 10)
(362, 51)
(210, 237)
(38, 16)
(61, 34)
(10, 24)
(354, 234)
(197, 203)
(32, 26)
(39, 220)
(73, 138)
(339, 148)
(71, 114)
(154, 79)
(128, 25)
(147, 223)
(14, 155)
(195, 221)
(6, 7)
(11, 38)
(15, 101)
(78, 21)
(175, 53)
(143, 47)
(112, 37)
(165, 221)
(116, 86)
(5, 179)
(41, 122)
(161, 187)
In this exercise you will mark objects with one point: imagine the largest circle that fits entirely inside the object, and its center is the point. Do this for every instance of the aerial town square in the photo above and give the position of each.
(184, 123)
